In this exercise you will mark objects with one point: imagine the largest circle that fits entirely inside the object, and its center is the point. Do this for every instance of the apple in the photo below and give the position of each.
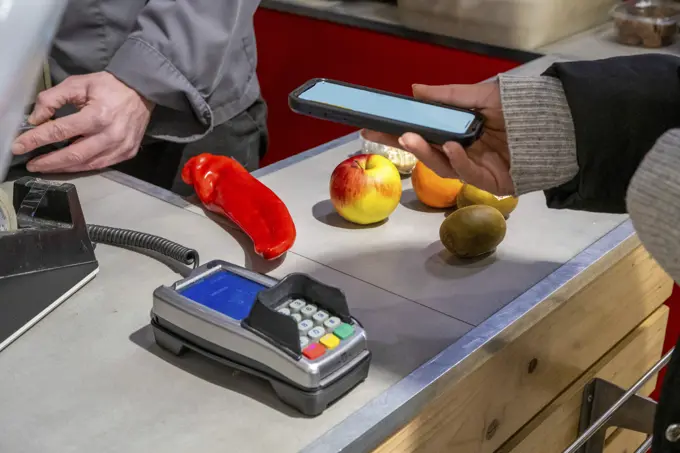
(365, 188)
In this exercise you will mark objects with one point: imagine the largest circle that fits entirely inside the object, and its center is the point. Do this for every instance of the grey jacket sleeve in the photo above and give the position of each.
(177, 56)
(542, 146)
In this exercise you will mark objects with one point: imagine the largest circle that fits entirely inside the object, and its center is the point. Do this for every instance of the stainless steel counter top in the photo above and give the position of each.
(464, 318)
(89, 378)
(457, 310)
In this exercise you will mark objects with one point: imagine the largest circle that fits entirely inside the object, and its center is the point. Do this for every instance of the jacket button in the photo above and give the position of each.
(673, 433)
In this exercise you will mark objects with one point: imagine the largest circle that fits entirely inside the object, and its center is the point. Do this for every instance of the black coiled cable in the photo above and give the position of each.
(127, 238)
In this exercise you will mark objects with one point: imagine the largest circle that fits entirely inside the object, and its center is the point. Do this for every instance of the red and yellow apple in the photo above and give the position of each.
(365, 188)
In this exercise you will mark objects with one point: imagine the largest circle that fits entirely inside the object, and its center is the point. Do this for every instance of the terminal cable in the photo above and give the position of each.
(119, 237)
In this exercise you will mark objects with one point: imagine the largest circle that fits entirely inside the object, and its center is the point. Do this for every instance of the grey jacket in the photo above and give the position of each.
(195, 59)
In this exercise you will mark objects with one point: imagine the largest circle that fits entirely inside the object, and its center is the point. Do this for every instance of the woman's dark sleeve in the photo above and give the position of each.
(604, 136)
(619, 107)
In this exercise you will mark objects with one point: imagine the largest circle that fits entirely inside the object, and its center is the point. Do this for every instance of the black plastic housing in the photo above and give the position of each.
(48, 256)
(281, 329)
(382, 124)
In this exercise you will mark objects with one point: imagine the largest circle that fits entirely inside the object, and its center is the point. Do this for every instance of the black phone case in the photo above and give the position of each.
(364, 121)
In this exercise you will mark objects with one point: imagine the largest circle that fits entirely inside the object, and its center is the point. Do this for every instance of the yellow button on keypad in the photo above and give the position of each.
(330, 341)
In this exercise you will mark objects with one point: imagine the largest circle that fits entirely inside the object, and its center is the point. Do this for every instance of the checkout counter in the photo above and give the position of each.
(490, 356)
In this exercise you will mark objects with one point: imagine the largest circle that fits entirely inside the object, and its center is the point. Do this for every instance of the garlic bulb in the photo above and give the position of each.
(403, 160)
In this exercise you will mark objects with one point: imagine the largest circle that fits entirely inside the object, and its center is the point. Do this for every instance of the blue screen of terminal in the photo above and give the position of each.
(225, 292)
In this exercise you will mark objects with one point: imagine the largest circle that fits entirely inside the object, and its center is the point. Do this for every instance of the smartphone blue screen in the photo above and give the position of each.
(226, 293)
(389, 107)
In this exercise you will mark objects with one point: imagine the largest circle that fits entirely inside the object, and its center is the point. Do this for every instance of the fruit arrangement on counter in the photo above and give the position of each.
(366, 188)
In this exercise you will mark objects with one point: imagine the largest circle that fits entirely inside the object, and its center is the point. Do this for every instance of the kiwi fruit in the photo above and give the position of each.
(473, 231)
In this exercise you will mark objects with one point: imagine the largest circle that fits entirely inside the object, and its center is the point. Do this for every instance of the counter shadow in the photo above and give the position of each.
(470, 290)
(215, 373)
(436, 256)
(251, 259)
(409, 200)
(324, 212)
(416, 343)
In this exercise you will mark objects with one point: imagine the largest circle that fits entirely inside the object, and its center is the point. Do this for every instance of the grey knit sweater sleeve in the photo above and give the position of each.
(540, 132)
(542, 147)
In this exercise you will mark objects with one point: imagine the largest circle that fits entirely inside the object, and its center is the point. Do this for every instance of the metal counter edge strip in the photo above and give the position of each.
(368, 427)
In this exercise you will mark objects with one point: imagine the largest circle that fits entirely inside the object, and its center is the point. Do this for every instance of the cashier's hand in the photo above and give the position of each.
(486, 163)
(108, 127)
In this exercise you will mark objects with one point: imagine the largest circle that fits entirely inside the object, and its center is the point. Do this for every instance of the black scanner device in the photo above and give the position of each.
(46, 259)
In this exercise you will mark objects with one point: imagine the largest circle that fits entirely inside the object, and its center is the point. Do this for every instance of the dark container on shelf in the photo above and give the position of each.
(646, 23)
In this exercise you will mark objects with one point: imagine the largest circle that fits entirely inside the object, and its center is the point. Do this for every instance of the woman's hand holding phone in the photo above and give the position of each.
(486, 163)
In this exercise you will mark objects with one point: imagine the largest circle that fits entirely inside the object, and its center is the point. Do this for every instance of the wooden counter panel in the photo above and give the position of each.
(502, 392)
(556, 426)
(624, 441)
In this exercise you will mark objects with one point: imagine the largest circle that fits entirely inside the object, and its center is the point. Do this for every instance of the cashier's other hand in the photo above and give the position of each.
(108, 127)
(486, 163)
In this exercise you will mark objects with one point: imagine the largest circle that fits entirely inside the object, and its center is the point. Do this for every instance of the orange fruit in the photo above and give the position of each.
(432, 190)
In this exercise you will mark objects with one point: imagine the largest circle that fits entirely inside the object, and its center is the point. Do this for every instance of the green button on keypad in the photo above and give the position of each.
(344, 331)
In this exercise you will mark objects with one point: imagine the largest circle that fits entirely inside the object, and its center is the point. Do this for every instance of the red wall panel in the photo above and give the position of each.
(293, 49)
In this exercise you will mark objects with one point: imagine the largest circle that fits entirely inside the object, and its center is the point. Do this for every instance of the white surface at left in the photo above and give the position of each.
(26, 31)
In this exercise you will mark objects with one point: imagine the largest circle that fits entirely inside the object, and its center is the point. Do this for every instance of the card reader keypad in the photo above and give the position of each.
(319, 330)
(320, 317)
(308, 310)
(332, 323)
(305, 325)
(316, 333)
(296, 305)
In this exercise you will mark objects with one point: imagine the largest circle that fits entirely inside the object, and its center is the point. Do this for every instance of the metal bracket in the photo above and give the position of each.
(606, 405)
(636, 414)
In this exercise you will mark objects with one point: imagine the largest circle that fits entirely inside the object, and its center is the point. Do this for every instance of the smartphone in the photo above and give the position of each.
(381, 111)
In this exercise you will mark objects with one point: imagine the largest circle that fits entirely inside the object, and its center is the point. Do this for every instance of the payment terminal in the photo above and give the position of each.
(297, 332)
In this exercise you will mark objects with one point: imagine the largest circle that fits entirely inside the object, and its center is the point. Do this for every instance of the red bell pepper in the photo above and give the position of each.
(225, 187)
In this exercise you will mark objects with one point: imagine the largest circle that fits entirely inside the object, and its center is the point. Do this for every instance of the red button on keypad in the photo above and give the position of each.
(313, 351)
